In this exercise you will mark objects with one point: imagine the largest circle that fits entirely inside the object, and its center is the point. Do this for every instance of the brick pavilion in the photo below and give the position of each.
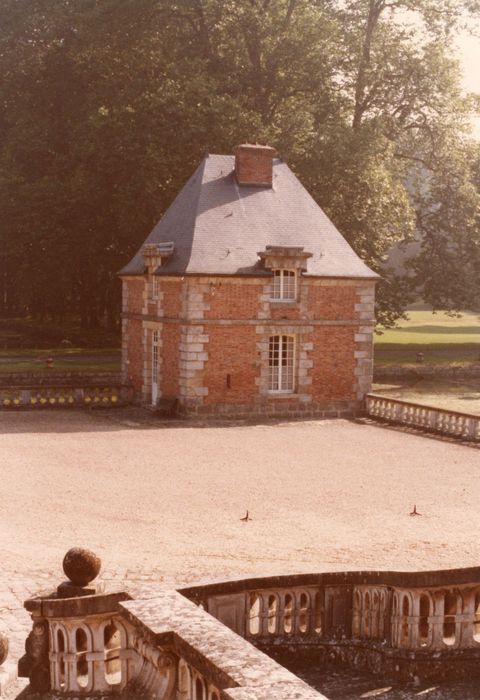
(246, 300)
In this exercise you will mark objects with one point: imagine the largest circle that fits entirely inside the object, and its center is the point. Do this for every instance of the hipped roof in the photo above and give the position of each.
(218, 227)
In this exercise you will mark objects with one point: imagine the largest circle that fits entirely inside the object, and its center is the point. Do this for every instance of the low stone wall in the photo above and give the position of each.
(420, 371)
(54, 378)
(429, 418)
(207, 642)
(64, 396)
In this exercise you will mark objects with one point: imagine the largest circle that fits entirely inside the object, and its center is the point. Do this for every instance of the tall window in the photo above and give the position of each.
(154, 287)
(281, 363)
(284, 285)
(155, 345)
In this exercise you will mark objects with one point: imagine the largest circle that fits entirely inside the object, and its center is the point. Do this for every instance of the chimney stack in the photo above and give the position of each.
(254, 165)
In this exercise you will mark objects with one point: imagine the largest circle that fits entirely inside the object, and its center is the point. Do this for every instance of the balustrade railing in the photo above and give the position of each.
(403, 611)
(207, 642)
(40, 396)
(292, 612)
(91, 644)
(440, 420)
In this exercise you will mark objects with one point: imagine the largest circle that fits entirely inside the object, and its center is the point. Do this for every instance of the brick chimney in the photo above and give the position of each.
(254, 164)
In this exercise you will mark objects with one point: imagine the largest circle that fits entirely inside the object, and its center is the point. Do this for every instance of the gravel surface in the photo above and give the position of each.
(162, 502)
(145, 497)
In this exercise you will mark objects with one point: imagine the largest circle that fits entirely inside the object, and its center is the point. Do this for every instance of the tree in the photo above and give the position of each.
(108, 106)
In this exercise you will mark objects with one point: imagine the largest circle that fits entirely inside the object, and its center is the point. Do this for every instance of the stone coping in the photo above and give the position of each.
(223, 657)
(407, 579)
(50, 605)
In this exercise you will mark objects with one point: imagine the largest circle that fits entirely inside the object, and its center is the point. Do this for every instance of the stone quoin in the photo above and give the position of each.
(246, 300)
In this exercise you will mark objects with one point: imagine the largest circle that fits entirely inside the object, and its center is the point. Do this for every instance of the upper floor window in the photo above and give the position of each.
(284, 285)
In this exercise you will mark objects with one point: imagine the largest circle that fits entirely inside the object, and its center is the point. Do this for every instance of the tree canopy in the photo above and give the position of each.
(108, 105)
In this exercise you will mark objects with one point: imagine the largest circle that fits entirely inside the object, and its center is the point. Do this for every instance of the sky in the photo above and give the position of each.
(469, 53)
(469, 47)
(466, 48)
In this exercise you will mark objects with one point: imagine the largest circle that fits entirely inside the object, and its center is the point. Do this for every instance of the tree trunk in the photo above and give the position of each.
(375, 9)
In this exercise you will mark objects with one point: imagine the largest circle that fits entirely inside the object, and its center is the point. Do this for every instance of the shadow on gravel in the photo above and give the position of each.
(99, 420)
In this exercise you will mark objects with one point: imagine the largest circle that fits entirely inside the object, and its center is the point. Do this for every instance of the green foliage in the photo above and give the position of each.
(108, 105)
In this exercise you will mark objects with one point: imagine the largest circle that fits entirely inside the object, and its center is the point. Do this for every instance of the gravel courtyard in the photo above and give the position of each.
(150, 498)
(163, 502)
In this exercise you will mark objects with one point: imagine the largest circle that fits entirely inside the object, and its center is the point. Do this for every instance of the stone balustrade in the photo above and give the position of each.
(393, 622)
(439, 420)
(208, 642)
(212, 662)
(162, 646)
(44, 396)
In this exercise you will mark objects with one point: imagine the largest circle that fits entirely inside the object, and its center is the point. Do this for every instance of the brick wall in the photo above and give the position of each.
(171, 298)
(136, 287)
(333, 363)
(233, 300)
(331, 303)
(286, 312)
(232, 367)
(169, 383)
(215, 343)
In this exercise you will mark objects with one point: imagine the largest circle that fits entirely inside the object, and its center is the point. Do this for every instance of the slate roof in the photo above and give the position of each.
(218, 227)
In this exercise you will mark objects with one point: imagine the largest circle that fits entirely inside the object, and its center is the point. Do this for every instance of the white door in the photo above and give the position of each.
(154, 368)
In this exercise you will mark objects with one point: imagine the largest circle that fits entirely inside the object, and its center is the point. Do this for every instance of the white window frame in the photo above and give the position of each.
(284, 285)
(281, 373)
(154, 379)
(154, 287)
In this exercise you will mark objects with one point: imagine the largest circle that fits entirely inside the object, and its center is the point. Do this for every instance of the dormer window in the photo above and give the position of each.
(284, 285)
(286, 264)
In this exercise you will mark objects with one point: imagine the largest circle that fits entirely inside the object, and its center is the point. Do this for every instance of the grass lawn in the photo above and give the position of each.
(444, 340)
(64, 360)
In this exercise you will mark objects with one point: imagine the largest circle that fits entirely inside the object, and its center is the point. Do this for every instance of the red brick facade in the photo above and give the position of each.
(214, 335)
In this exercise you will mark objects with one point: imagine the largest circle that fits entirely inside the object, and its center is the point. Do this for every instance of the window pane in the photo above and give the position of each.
(289, 279)
(277, 284)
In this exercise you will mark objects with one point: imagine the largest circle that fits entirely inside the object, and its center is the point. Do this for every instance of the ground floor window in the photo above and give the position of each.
(281, 363)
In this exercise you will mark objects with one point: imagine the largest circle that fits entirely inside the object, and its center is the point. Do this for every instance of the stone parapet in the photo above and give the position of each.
(429, 418)
(403, 624)
(218, 641)
(65, 396)
(55, 378)
(225, 664)
(418, 372)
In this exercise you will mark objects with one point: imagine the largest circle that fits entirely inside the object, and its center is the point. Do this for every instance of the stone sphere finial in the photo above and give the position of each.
(3, 642)
(81, 565)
